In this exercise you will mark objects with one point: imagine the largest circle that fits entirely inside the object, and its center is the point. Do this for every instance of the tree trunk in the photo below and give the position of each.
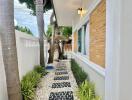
(7, 34)
(51, 53)
(63, 43)
(40, 22)
(59, 51)
(52, 45)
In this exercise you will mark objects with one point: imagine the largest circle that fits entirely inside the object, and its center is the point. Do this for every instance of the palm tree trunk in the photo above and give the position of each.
(52, 46)
(40, 22)
(7, 34)
(59, 51)
(63, 43)
(51, 53)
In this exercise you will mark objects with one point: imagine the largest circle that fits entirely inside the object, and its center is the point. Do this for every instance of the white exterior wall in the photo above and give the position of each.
(119, 50)
(27, 52)
(89, 6)
(95, 72)
(28, 57)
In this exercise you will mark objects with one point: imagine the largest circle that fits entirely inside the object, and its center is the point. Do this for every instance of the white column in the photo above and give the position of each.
(119, 50)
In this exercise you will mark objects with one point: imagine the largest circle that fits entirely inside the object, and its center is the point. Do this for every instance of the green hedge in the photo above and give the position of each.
(30, 81)
(40, 70)
(79, 74)
(86, 89)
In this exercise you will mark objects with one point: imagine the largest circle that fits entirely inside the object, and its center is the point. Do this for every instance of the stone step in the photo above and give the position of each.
(61, 85)
(62, 69)
(64, 95)
(61, 73)
(61, 78)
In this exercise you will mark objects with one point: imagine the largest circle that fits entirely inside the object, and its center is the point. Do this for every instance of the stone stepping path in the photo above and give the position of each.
(58, 84)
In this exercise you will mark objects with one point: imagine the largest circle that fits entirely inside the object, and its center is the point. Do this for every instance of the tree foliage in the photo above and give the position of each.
(49, 31)
(31, 5)
(66, 31)
(24, 29)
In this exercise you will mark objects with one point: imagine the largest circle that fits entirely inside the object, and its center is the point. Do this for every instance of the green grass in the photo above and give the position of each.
(78, 73)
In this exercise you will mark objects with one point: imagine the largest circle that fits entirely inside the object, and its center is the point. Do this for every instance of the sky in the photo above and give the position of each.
(24, 18)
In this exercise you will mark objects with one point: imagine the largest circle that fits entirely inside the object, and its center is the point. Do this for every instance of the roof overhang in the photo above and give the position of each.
(65, 11)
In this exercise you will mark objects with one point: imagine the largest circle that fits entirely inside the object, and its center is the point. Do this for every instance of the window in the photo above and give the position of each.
(84, 39)
(79, 40)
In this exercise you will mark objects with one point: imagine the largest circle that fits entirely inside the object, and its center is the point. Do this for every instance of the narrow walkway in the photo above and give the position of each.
(58, 84)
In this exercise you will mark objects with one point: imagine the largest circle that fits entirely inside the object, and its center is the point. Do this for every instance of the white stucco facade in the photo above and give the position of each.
(113, 82)
(118, 50)
(95, 72)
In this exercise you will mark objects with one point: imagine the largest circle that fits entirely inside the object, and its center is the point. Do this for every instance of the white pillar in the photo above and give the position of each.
(119, 50)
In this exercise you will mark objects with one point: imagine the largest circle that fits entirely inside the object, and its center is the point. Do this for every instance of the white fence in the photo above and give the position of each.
(28, 57)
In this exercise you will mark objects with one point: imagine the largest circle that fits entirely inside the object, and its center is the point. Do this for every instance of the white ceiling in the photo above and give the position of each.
(65, 11)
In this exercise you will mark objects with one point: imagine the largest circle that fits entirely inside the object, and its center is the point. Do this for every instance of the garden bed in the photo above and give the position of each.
(86, 89)
(30, 82)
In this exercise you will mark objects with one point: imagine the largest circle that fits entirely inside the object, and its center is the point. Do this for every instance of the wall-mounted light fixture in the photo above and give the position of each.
(81, 11)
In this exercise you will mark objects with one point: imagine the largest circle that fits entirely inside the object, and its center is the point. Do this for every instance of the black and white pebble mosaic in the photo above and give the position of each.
(61, 85)
(60, 69)
(61, 78)
(66, 95)
(61, 73)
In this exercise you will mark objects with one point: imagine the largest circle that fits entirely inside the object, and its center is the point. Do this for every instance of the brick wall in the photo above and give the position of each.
(97, 34)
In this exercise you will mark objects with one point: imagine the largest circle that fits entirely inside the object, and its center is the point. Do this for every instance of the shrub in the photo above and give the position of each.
(28, 85)
(39, 69)
(87, 91)
(78, 73)
(23, 29)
